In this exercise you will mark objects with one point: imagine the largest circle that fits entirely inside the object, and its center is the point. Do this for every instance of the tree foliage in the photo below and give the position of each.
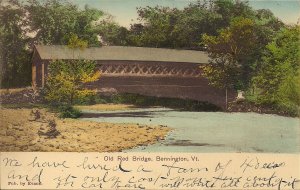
(231, 53)
(49, 22)
(75, 43)
(14, 55)
(279, 76)
(53, 21)
(236, 50)
(67, 79)
(172, 28)
(112, 33)
(167, 27)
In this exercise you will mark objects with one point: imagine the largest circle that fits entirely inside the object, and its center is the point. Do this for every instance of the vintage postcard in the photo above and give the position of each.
(160, 94)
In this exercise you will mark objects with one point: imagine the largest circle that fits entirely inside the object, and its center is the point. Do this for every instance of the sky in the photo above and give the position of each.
(124, 11)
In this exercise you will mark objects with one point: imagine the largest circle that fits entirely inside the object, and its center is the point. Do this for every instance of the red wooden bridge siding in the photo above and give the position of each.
(178, 77)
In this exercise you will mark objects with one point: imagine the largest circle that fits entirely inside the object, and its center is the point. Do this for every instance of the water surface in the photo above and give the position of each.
(211, 131)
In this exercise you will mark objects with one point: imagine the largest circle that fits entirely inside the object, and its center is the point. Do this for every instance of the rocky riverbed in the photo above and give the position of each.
(39, 130)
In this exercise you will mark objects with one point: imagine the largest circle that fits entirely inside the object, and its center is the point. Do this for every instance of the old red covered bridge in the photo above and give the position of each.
(147, 71)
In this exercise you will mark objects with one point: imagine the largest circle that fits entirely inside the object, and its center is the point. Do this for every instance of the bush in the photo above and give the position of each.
(67, 79)
(90, 100)
(279, 105)
(69, 112)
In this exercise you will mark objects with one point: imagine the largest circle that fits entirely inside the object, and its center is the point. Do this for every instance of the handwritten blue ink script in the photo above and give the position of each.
(149, 171)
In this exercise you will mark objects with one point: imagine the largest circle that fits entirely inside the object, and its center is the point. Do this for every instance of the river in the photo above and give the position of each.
(209, 132)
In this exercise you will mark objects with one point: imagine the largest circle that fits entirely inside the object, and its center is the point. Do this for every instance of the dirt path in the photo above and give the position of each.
(39, 130)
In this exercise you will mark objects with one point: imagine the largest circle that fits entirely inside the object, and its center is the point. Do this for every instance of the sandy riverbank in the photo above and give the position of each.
(39, 130)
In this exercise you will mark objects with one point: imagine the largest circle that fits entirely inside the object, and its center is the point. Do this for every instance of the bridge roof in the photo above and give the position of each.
(124, 53)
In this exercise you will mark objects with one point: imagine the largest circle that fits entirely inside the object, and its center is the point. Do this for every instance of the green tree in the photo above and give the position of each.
(23, 24)
(229, 9)
(173, 28)
(75, 43)
(158, 25)
(166, 27)
(112, 33)
(266, 27)
(67, 79)
(15, 63)
(87, 25)
(279, 76)
(231, 53)
(192, 22)
(53, 21)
